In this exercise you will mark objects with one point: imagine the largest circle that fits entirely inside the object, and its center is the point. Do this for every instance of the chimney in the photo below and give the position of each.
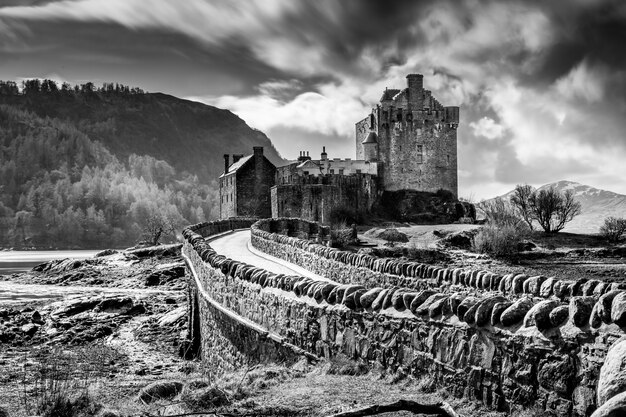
(324, 154)
(226, 162)
(258, 151)
(416, 85)
(237, 157)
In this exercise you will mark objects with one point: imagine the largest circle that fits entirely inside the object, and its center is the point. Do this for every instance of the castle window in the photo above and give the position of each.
(448, 159)
(332, 171)
(306, 172)
(358, 171)
(420, 154)
(340, 171)
(399, 116)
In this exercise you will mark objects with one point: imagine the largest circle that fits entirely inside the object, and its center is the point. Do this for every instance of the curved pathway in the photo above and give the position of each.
(236, 245)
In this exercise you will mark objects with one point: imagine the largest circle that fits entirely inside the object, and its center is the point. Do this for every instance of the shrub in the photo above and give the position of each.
(344, 215)
(497, 241)
(548, 207)
(613, 229)
(393, 235)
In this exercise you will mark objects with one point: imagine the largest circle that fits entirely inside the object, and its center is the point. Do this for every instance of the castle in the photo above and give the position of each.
(407, 142)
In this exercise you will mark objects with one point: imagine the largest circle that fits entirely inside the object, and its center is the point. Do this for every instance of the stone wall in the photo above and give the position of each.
(500, 346)
(315, 197)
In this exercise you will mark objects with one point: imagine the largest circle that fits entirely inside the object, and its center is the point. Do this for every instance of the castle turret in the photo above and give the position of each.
(370, 147)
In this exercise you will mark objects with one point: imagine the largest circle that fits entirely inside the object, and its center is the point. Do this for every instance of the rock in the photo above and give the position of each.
(436, 308)
(517, 285)
(424, 309)
(3, 412)
(465, 305)
(556, 375)
(559, 315)
(615, 407)
(545, 290)
(452, 304)
(612, 378)
(378, 302)
(35, 317)
(516, 312)
(605, 304)
(618, 309)
(160, 390)
(580, 310)
(583, 398)
(106, 252)
(369, 297)
(539, 314)
(29, 329)
(497, 311)
(533, 284)
(483, 313)
(397, 300)
(178, 315)
(116, 305)
(419, 299)
(210, 397)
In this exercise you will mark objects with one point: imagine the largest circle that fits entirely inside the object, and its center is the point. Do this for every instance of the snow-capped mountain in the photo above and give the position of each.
(596, 205)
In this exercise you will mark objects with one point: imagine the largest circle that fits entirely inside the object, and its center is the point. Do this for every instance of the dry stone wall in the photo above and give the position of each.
(501, 346)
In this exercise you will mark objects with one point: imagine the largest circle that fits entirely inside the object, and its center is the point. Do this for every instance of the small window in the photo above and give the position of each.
(420, 154)
(399, 116)
(358, 171)
(306, 172)
(448, 156)
(332, 171)
(340, 171)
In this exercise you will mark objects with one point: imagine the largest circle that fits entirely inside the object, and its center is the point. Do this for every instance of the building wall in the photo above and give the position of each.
(228, 196)
(314, 198)
(254, 181)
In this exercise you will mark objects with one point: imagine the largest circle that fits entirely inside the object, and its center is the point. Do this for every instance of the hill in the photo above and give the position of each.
(188, 135)
(89, 168)
(596, 205)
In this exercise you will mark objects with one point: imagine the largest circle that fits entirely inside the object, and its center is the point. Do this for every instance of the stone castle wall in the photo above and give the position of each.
(500, 340)
(315, 197)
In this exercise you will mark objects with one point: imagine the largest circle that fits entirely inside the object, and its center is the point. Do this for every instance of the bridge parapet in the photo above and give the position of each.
(502, 346)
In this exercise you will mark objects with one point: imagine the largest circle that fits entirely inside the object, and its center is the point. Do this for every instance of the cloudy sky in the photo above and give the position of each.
(541, 84)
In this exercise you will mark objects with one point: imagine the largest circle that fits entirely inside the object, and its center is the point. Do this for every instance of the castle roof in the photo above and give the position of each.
(234, 167)
(389, 94)
(371, 138)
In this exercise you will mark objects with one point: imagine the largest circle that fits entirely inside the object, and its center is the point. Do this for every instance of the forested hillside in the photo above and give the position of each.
(87, 168)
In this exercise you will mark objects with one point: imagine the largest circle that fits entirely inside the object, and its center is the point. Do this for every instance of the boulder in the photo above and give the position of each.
(452, 304)
(580, 310)
(516, 312)
(559, 315)
(545, 290)
(618, 309)
(160, 390)
(30, 329)
(517, 285)
(539, 314)
(397, 300)
(353, 299)
(615, 407)
(387, 301)
(176, 316)
(612, 378)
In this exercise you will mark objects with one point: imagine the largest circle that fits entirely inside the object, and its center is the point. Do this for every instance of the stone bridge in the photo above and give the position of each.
(271, 290)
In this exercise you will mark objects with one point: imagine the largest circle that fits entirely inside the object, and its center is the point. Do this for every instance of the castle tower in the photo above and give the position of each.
(413, 137)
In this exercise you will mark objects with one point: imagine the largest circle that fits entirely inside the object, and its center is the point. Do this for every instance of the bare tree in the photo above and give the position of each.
(552, 209)
(613, 229)
(156, 227)
(521, 201)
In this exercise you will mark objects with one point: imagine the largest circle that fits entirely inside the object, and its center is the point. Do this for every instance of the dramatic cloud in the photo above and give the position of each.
(541, 85)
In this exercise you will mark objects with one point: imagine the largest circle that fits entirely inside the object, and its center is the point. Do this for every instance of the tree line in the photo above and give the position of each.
(46, 86)
(60, 189)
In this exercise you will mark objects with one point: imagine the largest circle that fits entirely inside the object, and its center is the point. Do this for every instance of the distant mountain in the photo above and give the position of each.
(596, 205)
(82, 167)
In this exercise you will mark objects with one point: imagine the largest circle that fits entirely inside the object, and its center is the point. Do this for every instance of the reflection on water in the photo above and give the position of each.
(21, 261)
